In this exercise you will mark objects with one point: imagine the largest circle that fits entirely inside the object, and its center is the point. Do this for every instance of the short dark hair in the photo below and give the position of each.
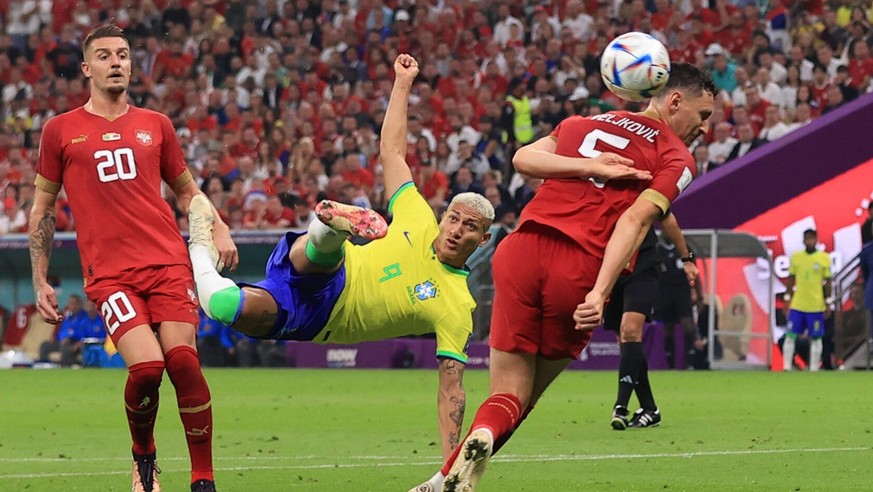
(104, 31)
(688, 78)
(809, 233)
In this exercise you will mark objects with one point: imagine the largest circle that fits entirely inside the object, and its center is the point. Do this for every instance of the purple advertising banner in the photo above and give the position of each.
(779, 171)
(602, 353)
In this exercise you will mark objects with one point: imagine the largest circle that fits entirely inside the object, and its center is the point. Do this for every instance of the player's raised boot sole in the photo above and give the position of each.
(357, 221)
(201, 227)
(471, 463)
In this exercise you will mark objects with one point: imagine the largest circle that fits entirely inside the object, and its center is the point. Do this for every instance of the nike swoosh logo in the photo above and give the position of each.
(406, 235)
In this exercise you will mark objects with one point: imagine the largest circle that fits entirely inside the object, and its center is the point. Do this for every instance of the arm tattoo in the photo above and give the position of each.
(452, 367)
(41, 239)
(457, 416)
(460, 406)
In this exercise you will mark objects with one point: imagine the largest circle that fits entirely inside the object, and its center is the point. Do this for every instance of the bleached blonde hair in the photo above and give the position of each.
(475, 201)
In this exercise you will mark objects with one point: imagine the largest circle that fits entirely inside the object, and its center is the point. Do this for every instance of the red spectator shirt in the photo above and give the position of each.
(429, 187)
(112, 172)
(18, 324)
(362, 178)
(859, 70)
(587, 211)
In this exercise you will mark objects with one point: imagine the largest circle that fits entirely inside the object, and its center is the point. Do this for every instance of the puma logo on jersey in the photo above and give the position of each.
(111, 137)
(195, 432)
(81, 138)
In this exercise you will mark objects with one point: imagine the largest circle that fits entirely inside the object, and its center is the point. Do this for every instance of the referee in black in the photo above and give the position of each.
(630, 305)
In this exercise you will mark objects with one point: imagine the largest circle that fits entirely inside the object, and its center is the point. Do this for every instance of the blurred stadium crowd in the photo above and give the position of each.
(278, 104)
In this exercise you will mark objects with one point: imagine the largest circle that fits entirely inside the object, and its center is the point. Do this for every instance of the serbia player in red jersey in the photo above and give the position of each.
(583, 234)
(111, 158)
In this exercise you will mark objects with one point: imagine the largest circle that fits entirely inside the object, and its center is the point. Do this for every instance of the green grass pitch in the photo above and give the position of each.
(344, 430)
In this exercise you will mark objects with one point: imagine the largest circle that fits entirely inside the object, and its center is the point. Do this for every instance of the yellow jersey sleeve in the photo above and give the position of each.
(453, 332)
(409, 210)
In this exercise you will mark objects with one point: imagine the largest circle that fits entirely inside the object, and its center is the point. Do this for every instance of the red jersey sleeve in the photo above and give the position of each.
(676, 172)
(172, 159)
(50, 168)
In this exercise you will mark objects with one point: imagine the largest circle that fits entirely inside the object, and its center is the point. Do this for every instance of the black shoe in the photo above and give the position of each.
(645, 418)
(203, 486)
(619, 420)
(145, 473)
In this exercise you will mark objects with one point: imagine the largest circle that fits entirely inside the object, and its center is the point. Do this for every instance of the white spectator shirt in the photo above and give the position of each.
(466, 133)
(805, 70)
(502, 32)
(778, 73)
(581, 26)
(719, 151)
(771, 93)
(774, 132)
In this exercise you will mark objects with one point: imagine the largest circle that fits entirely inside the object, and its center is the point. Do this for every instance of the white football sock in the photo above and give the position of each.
(437, 480)
(324, 239)
(788, 353)
(815, 349)
(206, 277)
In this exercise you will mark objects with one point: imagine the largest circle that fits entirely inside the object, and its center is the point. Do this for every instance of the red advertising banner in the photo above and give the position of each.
(835, 208)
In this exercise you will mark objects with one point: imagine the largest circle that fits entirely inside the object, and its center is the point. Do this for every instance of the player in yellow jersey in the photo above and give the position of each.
(410, 280)
(809, 290)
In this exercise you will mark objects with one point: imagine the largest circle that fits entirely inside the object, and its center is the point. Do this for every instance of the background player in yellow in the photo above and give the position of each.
(809, 285)
(410, 280)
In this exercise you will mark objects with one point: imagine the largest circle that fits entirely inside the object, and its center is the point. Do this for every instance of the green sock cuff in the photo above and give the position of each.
(325, 259)
(226, 305)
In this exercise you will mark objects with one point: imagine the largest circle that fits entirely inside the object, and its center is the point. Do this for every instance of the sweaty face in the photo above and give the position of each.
(462, 230)
(107, 64)
(692, 116)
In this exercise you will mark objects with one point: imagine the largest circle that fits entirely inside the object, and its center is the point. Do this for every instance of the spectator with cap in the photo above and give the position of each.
(723, 70)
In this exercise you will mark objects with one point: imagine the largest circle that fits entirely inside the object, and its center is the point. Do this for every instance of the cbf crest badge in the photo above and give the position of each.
(425, 290)
(144, 137)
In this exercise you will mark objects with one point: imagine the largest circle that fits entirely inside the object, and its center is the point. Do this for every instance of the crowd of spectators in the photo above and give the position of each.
(279, 104)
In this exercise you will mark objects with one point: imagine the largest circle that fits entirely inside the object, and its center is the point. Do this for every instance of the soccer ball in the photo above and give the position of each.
(635, 66)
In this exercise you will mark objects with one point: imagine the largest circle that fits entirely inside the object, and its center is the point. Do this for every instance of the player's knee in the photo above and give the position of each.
(224, 305)
(146, 374)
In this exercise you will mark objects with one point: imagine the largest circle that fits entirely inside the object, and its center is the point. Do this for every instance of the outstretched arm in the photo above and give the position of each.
(539, 160)
(627, 237)
(451, 402)
(42, 235)
(392, 145)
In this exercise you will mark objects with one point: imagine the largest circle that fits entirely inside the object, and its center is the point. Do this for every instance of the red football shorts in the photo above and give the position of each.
(145, 296)
(540, 276)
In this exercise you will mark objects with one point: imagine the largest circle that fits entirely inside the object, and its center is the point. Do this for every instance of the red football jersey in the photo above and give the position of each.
(587, 211)
(112, 172)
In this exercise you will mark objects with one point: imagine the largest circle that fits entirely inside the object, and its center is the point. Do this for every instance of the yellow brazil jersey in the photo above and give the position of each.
(397, 286)
(810, 272)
